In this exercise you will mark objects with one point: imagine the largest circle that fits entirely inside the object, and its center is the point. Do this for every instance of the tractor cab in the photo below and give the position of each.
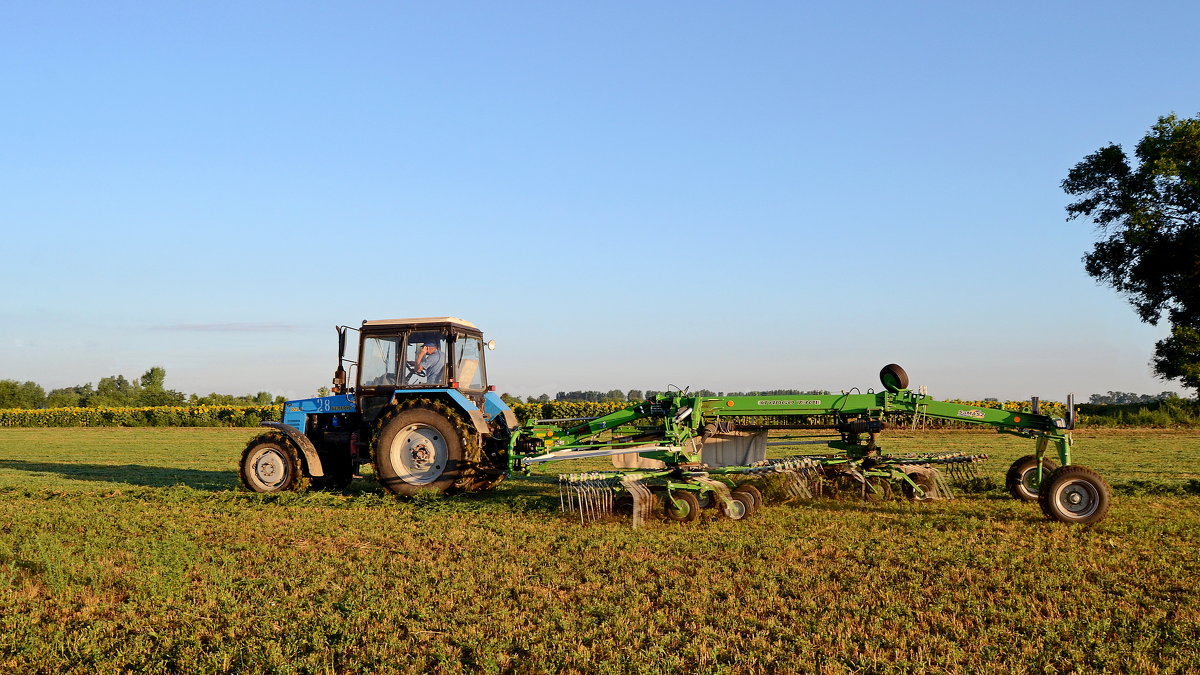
(419, 355)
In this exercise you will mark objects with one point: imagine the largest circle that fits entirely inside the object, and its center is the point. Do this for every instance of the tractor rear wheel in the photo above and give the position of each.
(1075, 494)
(418, 449)
(272, 464)
(1022, 478)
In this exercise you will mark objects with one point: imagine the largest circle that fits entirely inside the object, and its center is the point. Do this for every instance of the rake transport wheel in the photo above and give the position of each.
(270, 463)
(754, 493)
(878, 490)
(740, 506)
(1075, 494)
(686, 508)
(923, 481)
(1022, 477)
(418, 449)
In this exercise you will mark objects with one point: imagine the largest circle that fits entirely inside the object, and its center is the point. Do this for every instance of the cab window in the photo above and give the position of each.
(468, 363)
(379, 365)
(425, 360)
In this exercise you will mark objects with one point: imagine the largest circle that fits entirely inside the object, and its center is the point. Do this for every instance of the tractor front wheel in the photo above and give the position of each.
(1075, 494)
(418, 449)
(271, 464)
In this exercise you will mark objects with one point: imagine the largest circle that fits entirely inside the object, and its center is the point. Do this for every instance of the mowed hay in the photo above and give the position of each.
(106, 566)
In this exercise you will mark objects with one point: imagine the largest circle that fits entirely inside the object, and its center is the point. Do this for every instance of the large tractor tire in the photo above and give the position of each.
(421, 448)
(1022, 477)
(270, 463)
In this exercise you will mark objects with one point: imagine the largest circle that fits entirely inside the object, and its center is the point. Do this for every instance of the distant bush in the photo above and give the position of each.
(1168, 412)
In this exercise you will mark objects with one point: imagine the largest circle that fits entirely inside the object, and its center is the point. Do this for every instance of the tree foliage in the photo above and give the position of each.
(26, 395)
(1129, 398)
(117, 391)
(1149, 217)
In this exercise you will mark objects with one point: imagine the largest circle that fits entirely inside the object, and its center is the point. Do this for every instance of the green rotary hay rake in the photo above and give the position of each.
(676, 454)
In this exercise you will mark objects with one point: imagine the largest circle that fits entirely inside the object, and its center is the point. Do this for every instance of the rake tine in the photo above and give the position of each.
(589, 498)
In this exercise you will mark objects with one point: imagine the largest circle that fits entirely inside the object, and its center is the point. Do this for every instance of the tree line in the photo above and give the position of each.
(117, 391)
(1128, 398)
(637, 395)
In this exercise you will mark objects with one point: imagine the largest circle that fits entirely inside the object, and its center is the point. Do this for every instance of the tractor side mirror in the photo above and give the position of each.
(491, 345)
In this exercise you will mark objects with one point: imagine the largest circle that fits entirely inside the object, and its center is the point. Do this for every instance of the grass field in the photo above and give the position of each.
(133, 550)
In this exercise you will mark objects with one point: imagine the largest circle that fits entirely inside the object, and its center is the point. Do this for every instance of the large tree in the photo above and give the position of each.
(1148, 216)
(14, 394)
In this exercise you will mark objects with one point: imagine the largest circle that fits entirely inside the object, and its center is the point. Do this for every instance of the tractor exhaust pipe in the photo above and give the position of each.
(339, 375)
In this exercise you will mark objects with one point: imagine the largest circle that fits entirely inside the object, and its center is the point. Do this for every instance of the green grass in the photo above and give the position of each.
(132, 550)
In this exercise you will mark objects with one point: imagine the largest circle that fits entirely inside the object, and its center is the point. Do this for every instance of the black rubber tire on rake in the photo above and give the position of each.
(1075, 494)
(741, 506)
(754, 493)
(1018, 477)
(689, 510)
(923, 481)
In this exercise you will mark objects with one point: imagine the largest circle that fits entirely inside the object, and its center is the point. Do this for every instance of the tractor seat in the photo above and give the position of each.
(466, 371)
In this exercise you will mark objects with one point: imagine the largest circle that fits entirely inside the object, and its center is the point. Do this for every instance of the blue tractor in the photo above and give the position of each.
(416, 404)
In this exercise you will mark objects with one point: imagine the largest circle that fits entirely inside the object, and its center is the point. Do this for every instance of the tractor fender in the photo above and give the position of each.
(457, 401)
(306, 447)
(480, 422)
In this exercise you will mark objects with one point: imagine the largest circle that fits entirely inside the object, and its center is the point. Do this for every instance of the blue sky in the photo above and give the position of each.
(623, 195)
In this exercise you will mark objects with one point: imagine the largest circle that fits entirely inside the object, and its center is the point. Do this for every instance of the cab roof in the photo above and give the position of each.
(423, 321)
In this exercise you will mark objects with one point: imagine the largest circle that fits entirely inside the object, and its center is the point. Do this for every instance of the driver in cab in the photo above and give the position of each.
(430, 363)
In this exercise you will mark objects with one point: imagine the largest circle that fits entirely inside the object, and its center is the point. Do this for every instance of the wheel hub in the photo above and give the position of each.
(1079, 498)
(420, 453)
(270, 469)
